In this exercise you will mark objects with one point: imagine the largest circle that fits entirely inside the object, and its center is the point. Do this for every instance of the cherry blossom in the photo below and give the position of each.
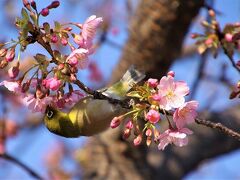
(153, 116)
(52, 83)
(79, 58)
(172, 93)
(13, 86)
(177, 137)
(90, 26)
(36, 104)
(152, 82)
(185, 114)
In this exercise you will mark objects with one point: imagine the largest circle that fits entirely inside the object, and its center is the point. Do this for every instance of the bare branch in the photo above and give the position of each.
(22, 165)
(220, 127)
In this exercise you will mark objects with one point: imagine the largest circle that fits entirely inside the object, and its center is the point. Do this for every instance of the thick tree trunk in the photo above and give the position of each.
(156, 34)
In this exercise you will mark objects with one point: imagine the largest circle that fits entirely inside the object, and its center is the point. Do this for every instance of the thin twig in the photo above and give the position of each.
(220, 127)
(22, 165)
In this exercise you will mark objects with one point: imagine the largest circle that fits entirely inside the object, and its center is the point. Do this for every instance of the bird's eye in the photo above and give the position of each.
(50, 114)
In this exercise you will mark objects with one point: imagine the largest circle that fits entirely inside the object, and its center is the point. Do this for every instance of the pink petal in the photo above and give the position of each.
(181, 88)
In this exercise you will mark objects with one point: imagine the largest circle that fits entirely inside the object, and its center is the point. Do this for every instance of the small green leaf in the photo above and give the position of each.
(134, 94)
(25, 14)
(57, 26)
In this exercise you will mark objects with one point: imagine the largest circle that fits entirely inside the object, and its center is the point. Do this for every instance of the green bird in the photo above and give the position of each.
(91, 116)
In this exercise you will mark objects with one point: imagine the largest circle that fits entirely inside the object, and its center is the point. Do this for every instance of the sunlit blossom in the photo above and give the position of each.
(185, 114)
(90, 26)
(172, 92)
(177, 137)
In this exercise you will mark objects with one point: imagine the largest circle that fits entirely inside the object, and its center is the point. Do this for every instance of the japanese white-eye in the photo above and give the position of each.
(91, 116)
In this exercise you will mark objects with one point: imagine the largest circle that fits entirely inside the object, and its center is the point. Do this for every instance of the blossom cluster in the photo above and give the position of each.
(216, 38)
(50, 79)
(155, 101)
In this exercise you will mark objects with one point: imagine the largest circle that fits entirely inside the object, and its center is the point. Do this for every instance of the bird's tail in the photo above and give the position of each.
(129, 79)
(132, 77)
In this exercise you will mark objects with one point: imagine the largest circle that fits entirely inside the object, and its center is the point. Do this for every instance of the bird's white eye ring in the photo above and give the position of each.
(50, 114)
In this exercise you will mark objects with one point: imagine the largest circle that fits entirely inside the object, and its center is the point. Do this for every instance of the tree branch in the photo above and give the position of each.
(22, 165)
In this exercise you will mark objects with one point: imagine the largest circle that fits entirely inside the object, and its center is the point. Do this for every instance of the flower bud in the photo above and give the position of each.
(126, 133)
(129, 125)
(33, 4)
(44, 12)
(13, 71)
(64, 41)
(25, 3)
(228, 37)
(211, 13)
(10, 55)
(54, 4)
(68, 28)
(152, 82)
(171, 73)
(54, 38)
(137, 141)
(148, 132)
(153, 116)
(61, 66)
(116, 122)
(73, 77)
(149, 141)
(25, 86)
(3, 52)
(194, 35)
(209, 41)
(238, 63)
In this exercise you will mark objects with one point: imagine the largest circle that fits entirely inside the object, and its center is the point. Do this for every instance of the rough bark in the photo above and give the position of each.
(156, 34)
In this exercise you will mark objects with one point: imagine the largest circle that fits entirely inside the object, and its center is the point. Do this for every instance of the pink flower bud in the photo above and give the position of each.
(228, 37)
(13, 72)
(126, 133)
(54, 38)
(129, 125)
(25, 3)
(238, 63)
(148, 132)
(54, 4)
(52, 83)
(153, 116)
(10, 55)
(152, 82)
(61, 66)
(64, 41)
(68, 28)
(73, 78)
(209, 41)
(25, 87)
(44, 12)
(211, 13)
(33, 4)
(148, 141)
(137, 141)
(3, 52)
(2, 146)
(194, 35)
(116, 122)
(171, 73)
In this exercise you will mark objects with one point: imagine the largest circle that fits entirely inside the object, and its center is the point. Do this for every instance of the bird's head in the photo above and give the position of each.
(58, 122)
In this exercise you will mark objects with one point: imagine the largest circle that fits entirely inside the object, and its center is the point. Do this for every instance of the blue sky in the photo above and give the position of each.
(31, 146)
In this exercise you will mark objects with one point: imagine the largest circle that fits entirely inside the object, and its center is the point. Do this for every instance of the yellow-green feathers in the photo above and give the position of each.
(91, 116)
